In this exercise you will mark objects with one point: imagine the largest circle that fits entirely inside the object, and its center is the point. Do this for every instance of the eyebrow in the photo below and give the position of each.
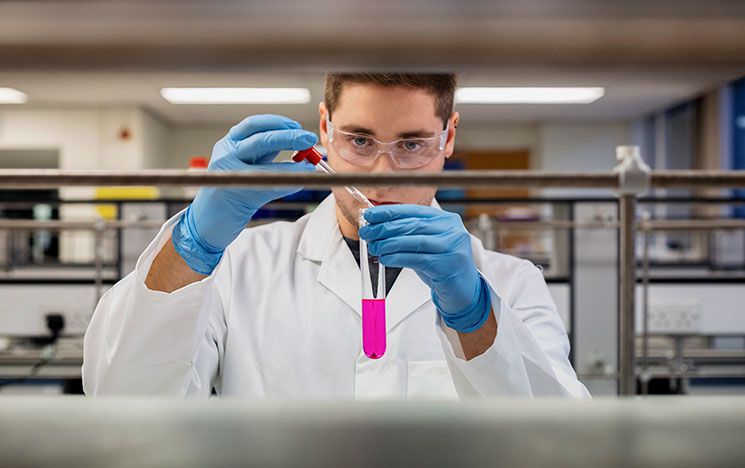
(366, 131)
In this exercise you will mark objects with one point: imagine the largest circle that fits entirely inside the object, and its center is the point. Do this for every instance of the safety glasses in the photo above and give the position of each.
(405, 153)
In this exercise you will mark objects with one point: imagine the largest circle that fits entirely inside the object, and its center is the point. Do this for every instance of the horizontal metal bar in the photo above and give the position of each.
(702, 373)
(691, 224)
(662, 200)
(42, 178)
(550, 225)
(22, 224)
(698, 179)
(655, 225)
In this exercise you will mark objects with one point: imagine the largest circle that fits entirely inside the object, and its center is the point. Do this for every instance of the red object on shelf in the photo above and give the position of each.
(198, 162)
(311, 155)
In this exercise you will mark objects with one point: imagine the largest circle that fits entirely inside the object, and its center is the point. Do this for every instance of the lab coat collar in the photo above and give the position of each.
(321, 241)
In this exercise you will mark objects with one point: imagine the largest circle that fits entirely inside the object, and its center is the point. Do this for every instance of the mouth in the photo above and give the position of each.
(378, 202)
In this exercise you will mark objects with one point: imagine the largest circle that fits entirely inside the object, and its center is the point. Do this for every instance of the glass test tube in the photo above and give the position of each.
(373, 303)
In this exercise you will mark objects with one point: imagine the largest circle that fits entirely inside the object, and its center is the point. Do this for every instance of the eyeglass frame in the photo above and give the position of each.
(330, 129)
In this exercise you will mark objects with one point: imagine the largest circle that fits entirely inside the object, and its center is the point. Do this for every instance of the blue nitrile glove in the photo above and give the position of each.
(436, 245)
(218, 215)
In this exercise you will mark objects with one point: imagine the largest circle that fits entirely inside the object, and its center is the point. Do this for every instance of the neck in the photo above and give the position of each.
(345, 226)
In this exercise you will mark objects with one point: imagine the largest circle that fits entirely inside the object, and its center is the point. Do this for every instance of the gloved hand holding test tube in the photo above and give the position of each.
(373, 304)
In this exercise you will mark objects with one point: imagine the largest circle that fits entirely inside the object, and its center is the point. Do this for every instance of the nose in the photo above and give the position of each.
(383, 163)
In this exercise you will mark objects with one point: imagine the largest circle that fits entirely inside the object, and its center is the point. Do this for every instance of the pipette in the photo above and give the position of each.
(314, 157)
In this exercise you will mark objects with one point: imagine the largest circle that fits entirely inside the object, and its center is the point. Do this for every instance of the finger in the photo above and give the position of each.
(400, 227)
(432, 245)
(263, 147)
(302, 166)
(261, 123)
(284, 167)
(383, 213)
(404, 260)
(281, 191)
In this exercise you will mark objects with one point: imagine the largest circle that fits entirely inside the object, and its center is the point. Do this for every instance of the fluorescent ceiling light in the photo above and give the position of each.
(236, 95)
(535, 95)
(12, 96)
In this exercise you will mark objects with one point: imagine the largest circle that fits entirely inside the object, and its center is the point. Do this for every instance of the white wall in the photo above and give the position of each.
(192, 141)
(155, 140)
(88, 138)
(580, 147)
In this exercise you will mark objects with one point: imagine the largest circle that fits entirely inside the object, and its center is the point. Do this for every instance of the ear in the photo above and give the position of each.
(452, 127)
(323, 130)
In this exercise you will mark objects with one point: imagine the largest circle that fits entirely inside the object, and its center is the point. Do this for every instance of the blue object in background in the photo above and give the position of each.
(446, 194)
(738, 136)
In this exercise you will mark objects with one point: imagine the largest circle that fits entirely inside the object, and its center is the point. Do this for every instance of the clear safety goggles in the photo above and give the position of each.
(405, 153)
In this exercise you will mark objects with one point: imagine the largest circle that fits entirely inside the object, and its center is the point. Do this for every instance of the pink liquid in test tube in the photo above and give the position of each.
(373, 327)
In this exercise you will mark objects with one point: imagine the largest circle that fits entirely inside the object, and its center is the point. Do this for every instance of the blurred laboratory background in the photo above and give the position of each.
(103, 85)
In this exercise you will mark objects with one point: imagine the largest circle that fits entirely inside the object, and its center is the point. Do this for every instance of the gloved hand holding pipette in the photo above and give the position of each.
(218, 215)
(436, 245)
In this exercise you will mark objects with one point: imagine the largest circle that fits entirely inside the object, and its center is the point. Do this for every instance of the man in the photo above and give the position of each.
(274, 311)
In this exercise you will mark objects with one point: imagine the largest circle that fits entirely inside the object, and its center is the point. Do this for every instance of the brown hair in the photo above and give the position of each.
(441, 86)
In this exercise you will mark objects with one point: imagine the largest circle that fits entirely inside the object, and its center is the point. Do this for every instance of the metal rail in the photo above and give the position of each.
(49, 178)
(45, 178)
(22, 224)
(691, 224)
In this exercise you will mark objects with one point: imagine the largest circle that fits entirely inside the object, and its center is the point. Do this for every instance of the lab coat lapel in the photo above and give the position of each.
(322, 242)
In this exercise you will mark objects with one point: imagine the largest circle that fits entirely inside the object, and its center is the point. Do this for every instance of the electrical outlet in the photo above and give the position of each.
(675, 318)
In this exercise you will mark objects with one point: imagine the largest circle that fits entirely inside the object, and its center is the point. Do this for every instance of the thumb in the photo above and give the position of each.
(302, 166)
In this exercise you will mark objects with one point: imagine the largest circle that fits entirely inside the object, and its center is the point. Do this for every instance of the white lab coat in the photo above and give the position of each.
(280, 318)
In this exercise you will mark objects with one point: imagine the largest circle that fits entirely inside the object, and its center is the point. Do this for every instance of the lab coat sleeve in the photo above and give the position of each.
(529, 357)
(141, 341)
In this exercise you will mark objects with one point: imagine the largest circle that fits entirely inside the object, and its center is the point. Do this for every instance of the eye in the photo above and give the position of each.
(412, 145)
(359, 141)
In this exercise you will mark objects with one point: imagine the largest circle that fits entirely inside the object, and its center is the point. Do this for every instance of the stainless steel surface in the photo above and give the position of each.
(45, 178)
(22, 224)
(644, 375)
(692, 224)
(39, 178)
(626, 290)
(19, 224)
(72, 432)
(698, 178)
(98, 260)
(559, 225)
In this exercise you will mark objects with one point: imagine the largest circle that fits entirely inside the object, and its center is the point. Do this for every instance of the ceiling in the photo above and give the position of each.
(648, 54)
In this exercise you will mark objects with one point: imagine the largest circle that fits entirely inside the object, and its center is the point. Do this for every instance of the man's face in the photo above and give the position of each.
(386, 114)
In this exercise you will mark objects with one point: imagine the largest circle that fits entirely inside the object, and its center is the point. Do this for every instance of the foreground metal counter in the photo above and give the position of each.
(74, 432)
